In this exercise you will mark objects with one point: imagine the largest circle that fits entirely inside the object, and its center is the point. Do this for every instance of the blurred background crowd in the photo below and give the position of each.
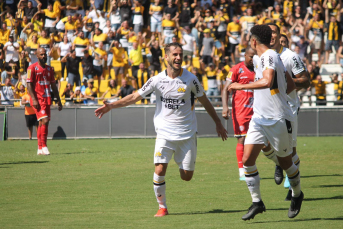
(108, 49)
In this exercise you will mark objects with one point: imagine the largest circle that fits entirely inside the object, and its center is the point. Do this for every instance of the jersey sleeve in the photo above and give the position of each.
(268, 61)
(197, 88)
(148, 87)
(30, 75)
(298, 66)
(232, 76)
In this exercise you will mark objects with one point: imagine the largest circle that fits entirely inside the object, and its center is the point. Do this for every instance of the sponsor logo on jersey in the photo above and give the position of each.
(196, 86)
(181, 90)
(243, 77)
(229, 75)
(29, 74)
(164, 81)
(158, 154)
(173, 104)
(240, 70)
(271, 61)
(146, 85)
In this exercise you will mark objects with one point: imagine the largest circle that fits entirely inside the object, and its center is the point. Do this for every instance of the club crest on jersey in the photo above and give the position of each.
(241, 128)
(36, 68)
(43, 111)
(240, 70)
(181, 90)
(48, 69)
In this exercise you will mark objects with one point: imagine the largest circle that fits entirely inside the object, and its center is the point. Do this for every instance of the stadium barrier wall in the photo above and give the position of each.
(137, 122)
(2, 125)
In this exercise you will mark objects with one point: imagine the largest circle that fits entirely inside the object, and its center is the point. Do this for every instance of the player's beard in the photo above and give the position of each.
(171, 64)
(43, 60)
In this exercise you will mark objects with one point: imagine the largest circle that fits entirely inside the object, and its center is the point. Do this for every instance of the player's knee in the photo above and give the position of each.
(186, 177)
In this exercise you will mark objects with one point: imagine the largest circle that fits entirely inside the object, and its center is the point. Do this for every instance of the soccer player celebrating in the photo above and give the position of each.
(242, 102)
(39, 79)
(174, 120)
(295, 68)
(271, 121)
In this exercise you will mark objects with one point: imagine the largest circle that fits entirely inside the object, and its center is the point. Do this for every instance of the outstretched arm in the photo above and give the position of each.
(210, 110)
(126, 101)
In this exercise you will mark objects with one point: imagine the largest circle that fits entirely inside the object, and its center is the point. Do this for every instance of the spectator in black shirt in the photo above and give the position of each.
(125, 10)
(156, 54)
(87, 65)
(171, 9)
(186, 14)
(73, 64)
(125, 89)
(30, 11)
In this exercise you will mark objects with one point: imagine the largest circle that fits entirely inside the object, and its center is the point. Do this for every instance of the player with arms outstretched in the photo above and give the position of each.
(39, 79)
(242, 103)
(271, 121)
(174, 120)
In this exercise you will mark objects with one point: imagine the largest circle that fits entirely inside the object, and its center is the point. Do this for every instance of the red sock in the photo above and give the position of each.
(44, 134)
(239, 154)
(39, 137)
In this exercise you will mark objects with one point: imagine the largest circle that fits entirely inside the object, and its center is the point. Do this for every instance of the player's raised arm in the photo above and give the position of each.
(126, 101)
(222, 132)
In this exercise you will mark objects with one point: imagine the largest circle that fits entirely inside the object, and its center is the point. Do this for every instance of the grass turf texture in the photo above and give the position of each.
(108, 184)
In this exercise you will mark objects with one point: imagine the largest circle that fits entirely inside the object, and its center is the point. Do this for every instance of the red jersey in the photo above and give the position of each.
(242, 100)
(41, 78)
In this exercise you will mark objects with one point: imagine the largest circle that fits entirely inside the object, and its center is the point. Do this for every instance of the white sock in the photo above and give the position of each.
(241, 172)
(271, 155)
(160, 190)
(296, 161)
(294, 179)
(252, 178)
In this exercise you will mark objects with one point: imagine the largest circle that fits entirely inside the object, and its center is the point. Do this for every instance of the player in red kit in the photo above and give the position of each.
(39, 79)
(242, 103)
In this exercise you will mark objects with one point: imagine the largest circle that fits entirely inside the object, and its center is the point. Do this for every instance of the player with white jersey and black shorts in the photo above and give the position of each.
(296, 68)
(174, 120)
(271, 121)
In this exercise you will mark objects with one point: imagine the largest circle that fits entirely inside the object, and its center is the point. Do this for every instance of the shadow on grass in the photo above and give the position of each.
(329, 186)
(216, 211)
(332, 175)
(298, 220)
(79, 153)
(23, 162)
(324, 198)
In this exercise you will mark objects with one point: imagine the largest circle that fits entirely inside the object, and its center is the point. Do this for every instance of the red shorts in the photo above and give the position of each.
(240, 126)
(43, 112)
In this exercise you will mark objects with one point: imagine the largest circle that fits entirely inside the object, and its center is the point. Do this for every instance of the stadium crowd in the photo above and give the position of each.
(108, 49)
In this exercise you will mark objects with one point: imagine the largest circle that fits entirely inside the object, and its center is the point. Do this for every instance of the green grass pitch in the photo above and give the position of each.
(108, 184)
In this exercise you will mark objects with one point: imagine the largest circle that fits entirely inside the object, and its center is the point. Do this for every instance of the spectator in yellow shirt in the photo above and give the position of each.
(135, 58)
(91, 92)
(320, 87)
(119, 60)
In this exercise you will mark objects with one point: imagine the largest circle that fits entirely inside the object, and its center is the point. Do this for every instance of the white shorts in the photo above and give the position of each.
(278, 135)
(294, 131)
(185, 152)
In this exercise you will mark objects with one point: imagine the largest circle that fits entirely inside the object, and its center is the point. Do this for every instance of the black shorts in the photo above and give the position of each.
(31, 120)
(232, 48)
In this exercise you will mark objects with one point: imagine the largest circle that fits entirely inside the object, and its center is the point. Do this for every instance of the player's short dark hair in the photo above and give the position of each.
(175, 44)
(249, 48)
(273, 24)
(284, 36)
(262, 33)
